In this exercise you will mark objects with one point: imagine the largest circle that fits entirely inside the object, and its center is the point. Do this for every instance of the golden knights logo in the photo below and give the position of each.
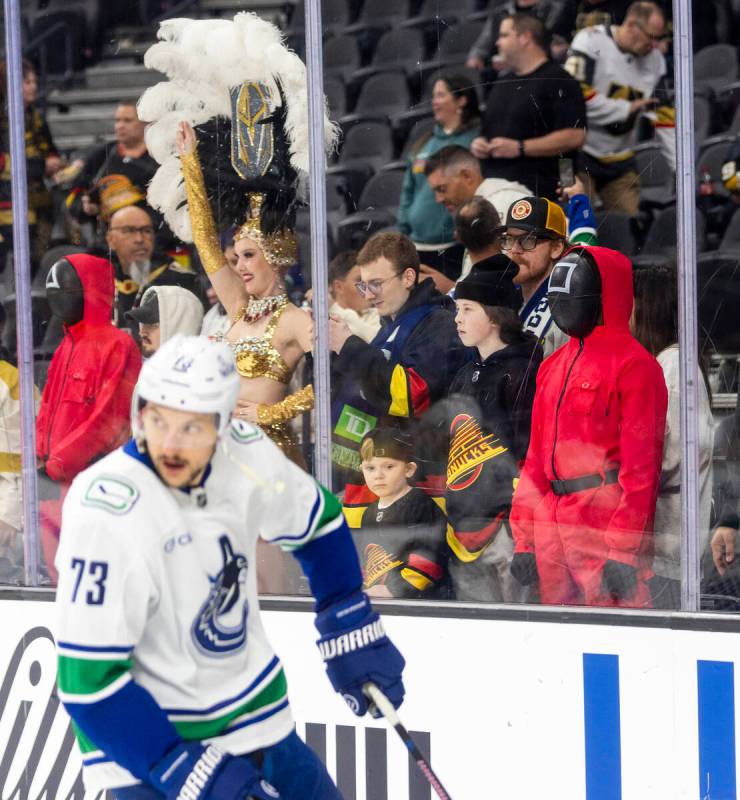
(469, 450)
(221, 625)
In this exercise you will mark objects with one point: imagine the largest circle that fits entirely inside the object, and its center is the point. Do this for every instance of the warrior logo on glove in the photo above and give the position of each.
(214, 632)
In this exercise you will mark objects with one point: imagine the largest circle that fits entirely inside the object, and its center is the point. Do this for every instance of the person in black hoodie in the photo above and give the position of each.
(407, 367)
(490, 407)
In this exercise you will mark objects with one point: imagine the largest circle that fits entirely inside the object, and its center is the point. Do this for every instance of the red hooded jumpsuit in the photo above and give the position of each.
(86, 403)
(600, 405)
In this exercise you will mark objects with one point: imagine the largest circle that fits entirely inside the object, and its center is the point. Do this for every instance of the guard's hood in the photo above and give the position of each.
(617, 293)
(96, 276)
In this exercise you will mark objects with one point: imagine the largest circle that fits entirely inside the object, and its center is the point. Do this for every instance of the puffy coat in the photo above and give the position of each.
(600, 405)
(86, 403)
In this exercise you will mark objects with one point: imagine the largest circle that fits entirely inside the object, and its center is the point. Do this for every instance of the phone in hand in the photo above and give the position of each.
(567, 175)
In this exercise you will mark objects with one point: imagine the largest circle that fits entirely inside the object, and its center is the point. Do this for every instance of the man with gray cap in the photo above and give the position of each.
(164, 312)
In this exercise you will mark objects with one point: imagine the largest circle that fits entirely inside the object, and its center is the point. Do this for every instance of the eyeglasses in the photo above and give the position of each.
(374, 286)
(527, 241)
(650, 36)
(130, 230)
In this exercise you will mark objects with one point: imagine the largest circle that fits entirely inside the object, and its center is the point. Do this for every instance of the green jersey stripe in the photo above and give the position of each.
(276, 690)
(81, 676)
(332, 508)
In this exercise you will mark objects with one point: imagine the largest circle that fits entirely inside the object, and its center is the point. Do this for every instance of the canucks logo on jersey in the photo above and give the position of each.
(221, 625)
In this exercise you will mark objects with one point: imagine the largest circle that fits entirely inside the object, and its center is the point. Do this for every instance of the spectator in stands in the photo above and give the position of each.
(164, 312)
(457, 122)
(350, 304)
(410, 363)
(478, 229)
(583, 508)
(483, 52)
(534, 238)
(454, 176)
(11, 511)
(580, 214)
(490, 408)
(401, 536)
(724, 543)
(86, 402)
(130, 238)
(126, 157)
(654, 324)
(534, 115)
(42, 162)
(731, 180)
(216, 321)
(622, 75)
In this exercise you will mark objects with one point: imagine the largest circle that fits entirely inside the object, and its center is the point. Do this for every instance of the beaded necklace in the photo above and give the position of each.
(259, 307)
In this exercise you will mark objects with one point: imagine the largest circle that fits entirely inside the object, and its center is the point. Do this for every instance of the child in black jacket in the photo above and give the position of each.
(490, 406)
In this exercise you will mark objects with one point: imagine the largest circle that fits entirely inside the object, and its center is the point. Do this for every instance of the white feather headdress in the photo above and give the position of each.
(204, 60)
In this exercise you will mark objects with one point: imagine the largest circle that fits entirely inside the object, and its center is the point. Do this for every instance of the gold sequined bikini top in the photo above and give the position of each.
(256, 357)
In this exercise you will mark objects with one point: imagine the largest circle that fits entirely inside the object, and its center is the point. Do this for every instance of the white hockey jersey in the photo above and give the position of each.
(158, 585)
(611, 79)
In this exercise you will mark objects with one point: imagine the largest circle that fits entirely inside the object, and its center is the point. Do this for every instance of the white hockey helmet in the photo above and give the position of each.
(188, 373)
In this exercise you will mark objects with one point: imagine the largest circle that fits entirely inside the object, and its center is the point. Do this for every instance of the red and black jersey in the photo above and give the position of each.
(403, 547)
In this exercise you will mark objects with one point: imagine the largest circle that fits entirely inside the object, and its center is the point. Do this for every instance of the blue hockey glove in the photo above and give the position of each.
(197, 772)
(356, 651)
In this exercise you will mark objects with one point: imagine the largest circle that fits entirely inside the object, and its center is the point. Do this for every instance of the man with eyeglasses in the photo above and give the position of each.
(130, 238)
(409, 364)
(534, 238)
(622, 73)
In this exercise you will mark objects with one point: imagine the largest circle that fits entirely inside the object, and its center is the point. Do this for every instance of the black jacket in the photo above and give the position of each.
(405, 383)
(489, 411)
(395, 380)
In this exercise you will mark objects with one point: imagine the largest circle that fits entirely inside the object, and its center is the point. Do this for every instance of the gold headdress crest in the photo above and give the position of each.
(279, 248)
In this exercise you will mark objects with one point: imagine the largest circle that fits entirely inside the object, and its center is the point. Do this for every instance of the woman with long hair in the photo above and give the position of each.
(42, 162)
(457, 121)
(654, 324)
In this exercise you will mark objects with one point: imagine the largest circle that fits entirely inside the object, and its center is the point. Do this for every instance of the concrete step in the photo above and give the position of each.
(126, 75)
(83, 96)
(82, 120)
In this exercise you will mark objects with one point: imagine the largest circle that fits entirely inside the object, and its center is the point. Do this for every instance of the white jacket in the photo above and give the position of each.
(180, 311)
(667, 537)
(501, 194)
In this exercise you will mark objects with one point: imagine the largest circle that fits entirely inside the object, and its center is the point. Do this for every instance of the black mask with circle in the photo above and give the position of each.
(64, 292)
(574, 294)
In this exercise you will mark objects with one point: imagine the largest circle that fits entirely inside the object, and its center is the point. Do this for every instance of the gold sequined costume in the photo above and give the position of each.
(256, 356)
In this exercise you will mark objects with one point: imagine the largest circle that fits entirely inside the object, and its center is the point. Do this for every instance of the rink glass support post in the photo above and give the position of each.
(319, 243)
(22, 270)
(687, 304)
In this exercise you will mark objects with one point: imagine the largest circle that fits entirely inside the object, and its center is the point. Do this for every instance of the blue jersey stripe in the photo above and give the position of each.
(87, 648)
(254, 720)
(89, 762)
(602, 727)
(716, 698)
(175, 712)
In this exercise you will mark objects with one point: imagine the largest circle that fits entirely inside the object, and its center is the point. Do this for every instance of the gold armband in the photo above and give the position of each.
(293, 405)
(205, 235)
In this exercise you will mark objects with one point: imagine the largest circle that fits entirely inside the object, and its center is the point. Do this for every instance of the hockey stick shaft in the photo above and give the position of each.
(385, 707)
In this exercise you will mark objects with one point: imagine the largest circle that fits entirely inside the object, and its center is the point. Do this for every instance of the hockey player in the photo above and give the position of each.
(164, 665)
(623, 75)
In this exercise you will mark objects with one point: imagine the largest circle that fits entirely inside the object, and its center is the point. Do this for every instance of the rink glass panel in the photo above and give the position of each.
(389, 136)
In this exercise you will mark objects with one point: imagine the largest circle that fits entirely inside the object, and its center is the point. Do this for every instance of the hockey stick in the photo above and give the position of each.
(384, 705)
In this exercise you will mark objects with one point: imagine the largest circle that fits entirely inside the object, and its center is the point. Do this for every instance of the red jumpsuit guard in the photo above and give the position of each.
(599, 409)
(86, 403)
